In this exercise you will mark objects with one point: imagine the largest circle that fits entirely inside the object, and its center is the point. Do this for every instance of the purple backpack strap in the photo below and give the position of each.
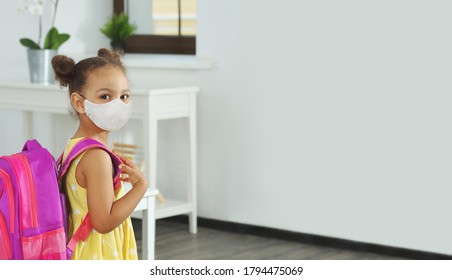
(83, 145)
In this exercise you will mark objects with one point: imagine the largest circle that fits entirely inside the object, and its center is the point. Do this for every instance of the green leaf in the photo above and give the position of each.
(118, 28)
(54, 39)
(50, 38)
(28, 43)
(60, 39)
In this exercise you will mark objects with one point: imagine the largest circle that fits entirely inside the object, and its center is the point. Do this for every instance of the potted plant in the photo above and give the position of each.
(118, 29)
(40, 53)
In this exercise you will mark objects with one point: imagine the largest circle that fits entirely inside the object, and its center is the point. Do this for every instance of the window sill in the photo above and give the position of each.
(156, 61)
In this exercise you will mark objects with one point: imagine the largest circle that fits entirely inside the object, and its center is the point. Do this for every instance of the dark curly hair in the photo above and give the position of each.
(74, 76)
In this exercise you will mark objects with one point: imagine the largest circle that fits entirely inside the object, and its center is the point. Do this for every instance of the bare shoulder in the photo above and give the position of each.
(96, 161)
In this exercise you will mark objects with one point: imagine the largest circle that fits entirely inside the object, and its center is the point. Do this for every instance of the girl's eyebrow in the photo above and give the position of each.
(103, 89)
(110, 90)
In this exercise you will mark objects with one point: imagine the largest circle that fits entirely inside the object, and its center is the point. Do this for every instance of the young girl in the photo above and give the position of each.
(100, 95)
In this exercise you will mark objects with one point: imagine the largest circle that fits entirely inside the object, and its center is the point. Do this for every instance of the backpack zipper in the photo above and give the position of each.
(31, 184)
(5, 245)
(10, 192)
(19, 162)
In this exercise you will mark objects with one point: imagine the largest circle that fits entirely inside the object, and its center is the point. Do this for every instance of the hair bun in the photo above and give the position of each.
(114, 55)
(64, 68)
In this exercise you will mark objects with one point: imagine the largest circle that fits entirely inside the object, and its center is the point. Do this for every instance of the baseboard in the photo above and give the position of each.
(313, 239)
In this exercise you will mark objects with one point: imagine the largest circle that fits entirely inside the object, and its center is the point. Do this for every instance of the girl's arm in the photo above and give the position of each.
(95, 170)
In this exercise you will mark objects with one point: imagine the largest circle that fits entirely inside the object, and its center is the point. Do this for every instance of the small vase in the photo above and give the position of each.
(40, 66)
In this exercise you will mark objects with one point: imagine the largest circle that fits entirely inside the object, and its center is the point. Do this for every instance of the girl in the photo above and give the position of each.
(100, 95)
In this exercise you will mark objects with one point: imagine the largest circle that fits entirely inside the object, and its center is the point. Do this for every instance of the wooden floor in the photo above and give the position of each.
(174, 242)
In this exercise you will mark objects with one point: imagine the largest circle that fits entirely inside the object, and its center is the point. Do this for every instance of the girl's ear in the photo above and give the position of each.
(78, 102)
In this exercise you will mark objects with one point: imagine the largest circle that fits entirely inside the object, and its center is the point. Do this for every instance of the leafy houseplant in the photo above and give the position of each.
(40, 54)
(118, 29)
(53, 39)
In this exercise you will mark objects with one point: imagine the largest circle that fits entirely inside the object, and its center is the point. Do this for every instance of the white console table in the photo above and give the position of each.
(150, 106)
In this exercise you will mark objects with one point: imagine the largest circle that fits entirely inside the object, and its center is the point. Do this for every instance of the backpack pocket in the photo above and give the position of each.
(50, 245)
(8, 191)
(5, 244)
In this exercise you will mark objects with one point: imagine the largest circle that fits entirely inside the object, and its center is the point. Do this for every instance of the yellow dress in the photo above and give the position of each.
(119, 244)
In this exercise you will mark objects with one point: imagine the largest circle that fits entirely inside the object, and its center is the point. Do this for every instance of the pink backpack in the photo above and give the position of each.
(33, 223)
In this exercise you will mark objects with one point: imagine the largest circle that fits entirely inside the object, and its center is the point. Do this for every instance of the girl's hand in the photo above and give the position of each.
(131, 173)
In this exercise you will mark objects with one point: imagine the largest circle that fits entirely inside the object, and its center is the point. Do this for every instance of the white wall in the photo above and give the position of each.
(325, 117)
(321, 117)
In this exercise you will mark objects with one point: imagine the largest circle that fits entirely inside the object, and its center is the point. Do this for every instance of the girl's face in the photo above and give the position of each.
(106, 84)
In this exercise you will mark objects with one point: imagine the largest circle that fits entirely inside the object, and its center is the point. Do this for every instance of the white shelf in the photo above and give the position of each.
(171, 208)
(165, 209)
(160, 61)
(156, 61)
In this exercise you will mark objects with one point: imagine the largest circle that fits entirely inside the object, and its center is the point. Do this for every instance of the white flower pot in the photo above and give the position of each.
(40, 66)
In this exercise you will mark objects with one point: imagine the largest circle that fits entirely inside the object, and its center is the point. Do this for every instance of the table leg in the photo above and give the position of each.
(144, 235)
(148, 225)
(193, 216)
(28, 125)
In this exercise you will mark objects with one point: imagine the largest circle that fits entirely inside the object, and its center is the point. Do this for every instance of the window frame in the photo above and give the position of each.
(156, 44)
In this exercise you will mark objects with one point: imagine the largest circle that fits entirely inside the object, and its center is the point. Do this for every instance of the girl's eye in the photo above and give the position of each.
(125, 96)
(105, 97)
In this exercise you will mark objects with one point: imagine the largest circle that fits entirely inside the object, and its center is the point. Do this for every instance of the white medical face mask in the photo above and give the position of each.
(109, 116)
